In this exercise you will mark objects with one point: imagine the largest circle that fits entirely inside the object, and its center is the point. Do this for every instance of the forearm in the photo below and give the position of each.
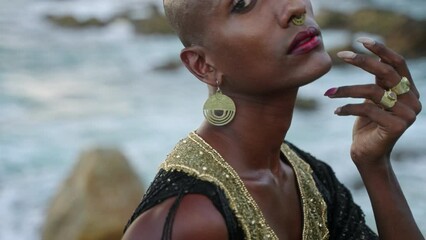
(393, 215)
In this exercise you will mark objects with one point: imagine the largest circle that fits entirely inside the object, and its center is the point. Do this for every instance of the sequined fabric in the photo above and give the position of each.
(176, 185)
(346, 221)
(194, 167)
(197, 158)
(314, 207)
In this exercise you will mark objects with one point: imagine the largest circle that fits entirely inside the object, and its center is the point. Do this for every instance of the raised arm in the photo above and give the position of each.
(377, 128)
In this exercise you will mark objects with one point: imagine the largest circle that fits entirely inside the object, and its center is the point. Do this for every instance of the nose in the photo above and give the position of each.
(288, 9)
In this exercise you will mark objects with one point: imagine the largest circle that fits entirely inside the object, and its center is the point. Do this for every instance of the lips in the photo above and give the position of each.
(305, 41)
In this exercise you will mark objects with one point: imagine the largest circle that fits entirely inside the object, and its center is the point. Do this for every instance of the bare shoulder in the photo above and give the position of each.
(196, 218)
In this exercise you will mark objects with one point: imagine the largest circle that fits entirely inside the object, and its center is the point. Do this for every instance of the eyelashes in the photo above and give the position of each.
(242, 6)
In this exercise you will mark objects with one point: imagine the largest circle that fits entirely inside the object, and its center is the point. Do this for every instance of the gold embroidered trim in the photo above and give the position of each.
(314, 206)
(197, 158)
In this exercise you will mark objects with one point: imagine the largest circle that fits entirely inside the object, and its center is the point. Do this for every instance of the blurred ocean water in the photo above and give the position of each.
(63, 91)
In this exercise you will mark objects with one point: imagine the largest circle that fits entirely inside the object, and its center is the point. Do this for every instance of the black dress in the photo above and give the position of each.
(344, 219)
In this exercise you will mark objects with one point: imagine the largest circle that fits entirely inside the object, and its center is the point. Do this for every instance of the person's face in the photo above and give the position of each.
(249, 42)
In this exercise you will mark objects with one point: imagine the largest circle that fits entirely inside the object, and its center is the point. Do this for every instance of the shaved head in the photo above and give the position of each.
(188, 19)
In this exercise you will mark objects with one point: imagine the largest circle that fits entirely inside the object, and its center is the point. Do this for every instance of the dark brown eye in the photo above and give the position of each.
(241, 5)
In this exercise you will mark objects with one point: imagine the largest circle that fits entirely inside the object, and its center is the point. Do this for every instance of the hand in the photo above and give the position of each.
(376, 129)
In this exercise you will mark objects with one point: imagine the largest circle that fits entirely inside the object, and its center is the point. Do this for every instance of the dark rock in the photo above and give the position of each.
(306, 104)
(171, 65)
(96, 200)
(332, 19)
(377, 21)
(403, 34)
(156, 23)
(408, 153)
(358, 184)
(69, 21)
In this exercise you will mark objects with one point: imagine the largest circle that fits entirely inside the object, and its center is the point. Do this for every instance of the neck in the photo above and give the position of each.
(252, 141)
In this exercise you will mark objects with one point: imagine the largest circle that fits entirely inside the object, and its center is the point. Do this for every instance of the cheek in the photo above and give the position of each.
(251, 55)
(246, 65)
(241, 44)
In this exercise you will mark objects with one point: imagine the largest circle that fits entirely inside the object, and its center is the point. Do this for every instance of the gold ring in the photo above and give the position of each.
(298, 20)
(402, 87)
(389, 99)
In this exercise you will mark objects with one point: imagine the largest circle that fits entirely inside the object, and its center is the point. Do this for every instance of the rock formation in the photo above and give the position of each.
(405, 35)
(96, 200)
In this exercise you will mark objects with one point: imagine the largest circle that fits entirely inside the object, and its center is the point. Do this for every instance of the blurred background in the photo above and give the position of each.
(78, 74)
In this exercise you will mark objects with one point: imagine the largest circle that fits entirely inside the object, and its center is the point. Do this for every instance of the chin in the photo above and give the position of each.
(318, 65)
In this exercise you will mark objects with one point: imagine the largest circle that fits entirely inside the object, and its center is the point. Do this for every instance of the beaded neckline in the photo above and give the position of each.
(197, 158)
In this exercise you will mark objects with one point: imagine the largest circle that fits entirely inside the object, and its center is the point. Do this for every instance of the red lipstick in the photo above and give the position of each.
(305, 41)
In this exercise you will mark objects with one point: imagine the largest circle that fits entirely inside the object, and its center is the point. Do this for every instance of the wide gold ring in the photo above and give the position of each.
(389, 99)
(298, 20)
(402, 87)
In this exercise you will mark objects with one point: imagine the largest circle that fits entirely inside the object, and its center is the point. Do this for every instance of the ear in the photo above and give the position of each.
(194, 58)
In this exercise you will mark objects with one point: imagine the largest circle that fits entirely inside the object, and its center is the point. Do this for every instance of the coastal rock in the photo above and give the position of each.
(332, 19)
(306, 104)
(400, 32)
(402, 154)
(156, 23)
(403, 34)
(69, 21)
(171, 65)
(96, 200)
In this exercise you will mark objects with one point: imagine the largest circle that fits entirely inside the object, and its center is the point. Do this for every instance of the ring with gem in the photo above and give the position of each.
(389, 99)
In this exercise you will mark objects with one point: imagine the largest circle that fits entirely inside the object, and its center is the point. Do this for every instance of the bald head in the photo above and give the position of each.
(188, 19)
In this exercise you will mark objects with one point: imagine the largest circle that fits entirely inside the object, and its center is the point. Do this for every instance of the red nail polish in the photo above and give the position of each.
(330, 92)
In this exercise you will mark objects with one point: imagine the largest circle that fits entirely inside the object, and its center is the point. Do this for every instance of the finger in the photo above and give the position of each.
(390, 57)
(387, 120)
(374, 93)
(368, 91)
(405, 113)
(386, 55)
(399, 110)
(386, 75)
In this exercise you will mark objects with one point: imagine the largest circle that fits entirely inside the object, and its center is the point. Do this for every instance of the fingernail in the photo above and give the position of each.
(338, 111)
(330, 92)
(346, 54)
(366, 41)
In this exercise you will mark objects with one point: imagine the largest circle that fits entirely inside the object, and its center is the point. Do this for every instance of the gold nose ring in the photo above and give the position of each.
(298, 20)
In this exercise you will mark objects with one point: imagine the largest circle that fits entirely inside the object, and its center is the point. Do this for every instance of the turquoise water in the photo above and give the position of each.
(63, 91)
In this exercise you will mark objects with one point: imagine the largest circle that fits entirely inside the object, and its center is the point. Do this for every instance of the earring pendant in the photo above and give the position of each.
(219, 109)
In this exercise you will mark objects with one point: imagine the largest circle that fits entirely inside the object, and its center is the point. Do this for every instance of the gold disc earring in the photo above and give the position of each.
(219, 109)
(298, 20)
